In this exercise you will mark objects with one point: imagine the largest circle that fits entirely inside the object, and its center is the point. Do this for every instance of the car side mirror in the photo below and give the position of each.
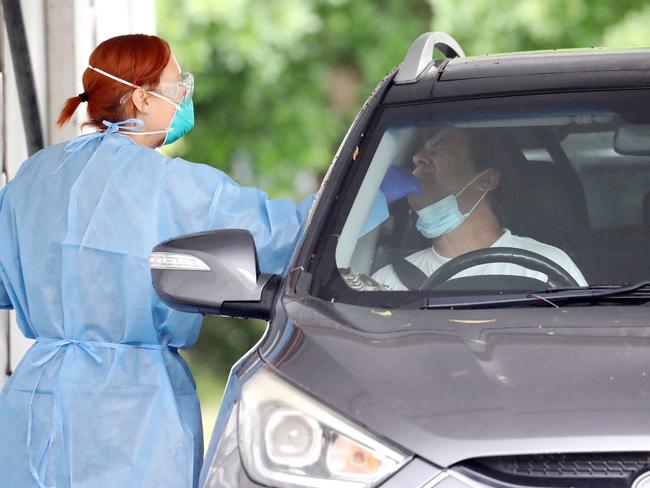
(213, 273)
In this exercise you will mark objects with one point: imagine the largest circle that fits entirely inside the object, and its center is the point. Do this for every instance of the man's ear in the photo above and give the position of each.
(489, 180)
(141, 101)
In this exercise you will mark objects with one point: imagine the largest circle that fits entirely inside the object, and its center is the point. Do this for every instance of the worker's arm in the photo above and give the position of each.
(197, 197)
(273, 223)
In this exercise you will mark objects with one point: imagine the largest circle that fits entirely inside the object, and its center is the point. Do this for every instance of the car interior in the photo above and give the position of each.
(582, 185)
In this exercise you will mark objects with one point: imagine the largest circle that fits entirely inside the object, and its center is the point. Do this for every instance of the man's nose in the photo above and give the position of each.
(421, 158)
(423, 162)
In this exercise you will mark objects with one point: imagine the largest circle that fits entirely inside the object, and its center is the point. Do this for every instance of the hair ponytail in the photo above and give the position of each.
(68, 110)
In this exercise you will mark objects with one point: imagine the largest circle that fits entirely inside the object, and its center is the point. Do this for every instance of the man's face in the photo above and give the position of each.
(442, 166)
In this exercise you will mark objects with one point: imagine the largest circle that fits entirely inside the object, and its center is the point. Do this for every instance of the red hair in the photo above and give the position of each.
(137, 58)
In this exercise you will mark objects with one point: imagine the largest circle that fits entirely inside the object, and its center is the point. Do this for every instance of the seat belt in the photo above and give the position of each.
(408, 273)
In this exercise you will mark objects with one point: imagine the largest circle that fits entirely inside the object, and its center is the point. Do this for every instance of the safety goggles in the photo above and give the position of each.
(175, 92)
(178, 91)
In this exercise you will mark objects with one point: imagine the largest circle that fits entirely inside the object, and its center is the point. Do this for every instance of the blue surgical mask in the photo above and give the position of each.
(444, 215)
(182, 122)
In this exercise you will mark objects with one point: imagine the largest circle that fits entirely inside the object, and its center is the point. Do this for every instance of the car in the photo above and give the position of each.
(520, 362)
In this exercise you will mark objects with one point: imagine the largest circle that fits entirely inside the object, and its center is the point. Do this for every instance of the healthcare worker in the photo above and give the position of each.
(103, 398)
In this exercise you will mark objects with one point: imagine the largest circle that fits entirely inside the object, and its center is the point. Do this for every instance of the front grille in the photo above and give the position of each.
(563, 470)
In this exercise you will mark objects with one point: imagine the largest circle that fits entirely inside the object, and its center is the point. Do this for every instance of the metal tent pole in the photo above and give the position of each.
(13, 16)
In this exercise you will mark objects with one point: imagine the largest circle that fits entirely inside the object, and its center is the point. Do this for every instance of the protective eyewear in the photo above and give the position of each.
(178, 91)
(175, 92)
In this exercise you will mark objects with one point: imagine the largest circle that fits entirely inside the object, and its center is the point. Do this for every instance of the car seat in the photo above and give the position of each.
(552, 206)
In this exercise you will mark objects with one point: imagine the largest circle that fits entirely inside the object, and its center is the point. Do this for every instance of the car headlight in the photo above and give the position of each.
(288, 439)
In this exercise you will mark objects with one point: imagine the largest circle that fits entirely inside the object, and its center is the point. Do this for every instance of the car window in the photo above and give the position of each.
(615, 185)
(531, 174)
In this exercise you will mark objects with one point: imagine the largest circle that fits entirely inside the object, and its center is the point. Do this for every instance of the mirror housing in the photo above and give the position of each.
(213, 273)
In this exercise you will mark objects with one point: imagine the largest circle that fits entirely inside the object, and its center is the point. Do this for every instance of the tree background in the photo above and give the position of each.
(279, 81)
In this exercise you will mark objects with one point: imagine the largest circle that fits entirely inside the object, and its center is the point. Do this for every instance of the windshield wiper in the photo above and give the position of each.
(636, 292)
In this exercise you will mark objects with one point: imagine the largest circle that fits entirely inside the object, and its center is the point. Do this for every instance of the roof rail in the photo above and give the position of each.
(420, 55)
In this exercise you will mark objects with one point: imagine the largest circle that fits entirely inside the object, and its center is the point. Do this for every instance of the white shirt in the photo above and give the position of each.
(428, 260)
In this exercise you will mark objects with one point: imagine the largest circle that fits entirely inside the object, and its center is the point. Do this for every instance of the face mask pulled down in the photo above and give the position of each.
(444, 215)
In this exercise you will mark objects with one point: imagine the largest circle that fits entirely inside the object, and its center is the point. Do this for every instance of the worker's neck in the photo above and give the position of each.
(480, 230)
(150, 140)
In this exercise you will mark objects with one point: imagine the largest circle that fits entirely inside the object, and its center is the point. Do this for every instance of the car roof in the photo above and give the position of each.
(543, 62)
(528, 72)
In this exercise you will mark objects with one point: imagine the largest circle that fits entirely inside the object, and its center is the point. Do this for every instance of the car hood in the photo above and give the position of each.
(452, 385)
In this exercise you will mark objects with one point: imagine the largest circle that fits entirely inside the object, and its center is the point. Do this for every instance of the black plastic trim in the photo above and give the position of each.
(255, 310)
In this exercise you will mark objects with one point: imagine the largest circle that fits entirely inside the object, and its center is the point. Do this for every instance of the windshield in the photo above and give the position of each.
(505, 195)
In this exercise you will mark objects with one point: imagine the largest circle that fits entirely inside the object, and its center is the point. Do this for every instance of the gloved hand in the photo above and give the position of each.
(398, 183)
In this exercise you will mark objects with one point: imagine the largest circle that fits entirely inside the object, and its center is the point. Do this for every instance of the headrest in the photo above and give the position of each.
(552, 206)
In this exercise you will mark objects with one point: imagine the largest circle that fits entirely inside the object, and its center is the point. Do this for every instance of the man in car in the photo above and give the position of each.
(458, 205)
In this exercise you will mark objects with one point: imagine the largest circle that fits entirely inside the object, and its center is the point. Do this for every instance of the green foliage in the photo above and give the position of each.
(222, 342)
(278, 82)
(495, 26)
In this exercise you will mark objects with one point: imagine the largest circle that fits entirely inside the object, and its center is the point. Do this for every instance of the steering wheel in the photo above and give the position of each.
(558, 277)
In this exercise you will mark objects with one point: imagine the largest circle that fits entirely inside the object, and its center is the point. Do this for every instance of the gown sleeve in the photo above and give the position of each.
(200, 197)
(5, 303)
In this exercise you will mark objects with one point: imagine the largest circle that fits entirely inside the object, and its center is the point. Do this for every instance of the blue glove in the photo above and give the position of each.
(398, 183)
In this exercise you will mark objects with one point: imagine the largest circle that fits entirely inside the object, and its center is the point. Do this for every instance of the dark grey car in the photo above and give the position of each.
(520, 364)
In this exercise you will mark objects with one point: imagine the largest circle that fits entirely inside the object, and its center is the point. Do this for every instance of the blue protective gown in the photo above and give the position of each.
(103, 399)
